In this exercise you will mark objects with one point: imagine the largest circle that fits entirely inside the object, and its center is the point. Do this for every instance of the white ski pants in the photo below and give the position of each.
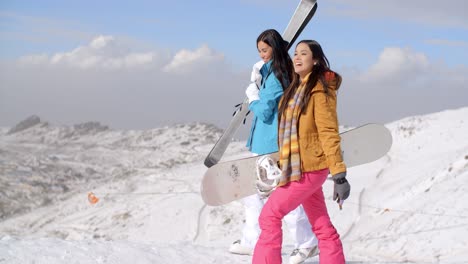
(296, 221)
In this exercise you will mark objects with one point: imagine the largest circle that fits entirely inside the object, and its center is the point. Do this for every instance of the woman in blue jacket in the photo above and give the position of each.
(270, 77)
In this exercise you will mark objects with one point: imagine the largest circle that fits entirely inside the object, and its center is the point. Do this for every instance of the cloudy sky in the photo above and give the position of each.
(144, 64)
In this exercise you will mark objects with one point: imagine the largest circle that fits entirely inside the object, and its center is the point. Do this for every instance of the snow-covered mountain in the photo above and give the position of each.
(409, 206)
(41, 163)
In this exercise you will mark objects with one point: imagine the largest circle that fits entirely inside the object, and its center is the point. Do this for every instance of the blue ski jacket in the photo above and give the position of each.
(263, 136)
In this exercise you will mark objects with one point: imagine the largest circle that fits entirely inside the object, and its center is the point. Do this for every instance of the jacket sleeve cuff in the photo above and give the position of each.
(335, 164)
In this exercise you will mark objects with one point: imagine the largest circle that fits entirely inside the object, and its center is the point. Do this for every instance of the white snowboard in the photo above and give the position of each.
(231, 180)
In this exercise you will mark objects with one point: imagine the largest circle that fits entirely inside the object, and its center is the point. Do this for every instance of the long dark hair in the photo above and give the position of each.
(281, 64)
(318, 74)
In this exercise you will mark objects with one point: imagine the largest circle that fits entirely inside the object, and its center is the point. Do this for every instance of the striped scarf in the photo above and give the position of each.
(290, 158)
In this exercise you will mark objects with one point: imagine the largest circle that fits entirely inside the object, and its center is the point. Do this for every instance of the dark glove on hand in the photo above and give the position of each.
(341, 188)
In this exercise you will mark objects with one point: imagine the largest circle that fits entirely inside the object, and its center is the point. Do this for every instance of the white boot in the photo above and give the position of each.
(299, 255)
(238, 248)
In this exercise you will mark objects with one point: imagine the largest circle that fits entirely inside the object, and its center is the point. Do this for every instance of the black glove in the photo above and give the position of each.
(341, 188)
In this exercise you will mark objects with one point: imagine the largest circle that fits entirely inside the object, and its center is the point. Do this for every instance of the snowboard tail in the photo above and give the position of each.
(232, 180)
(221, 145)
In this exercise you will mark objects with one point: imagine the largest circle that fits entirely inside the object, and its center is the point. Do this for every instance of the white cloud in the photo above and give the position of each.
(107, 52)
(101, 42)
(402, 82)
(186, 59)
(391, 88)
(108, 81)
(395, 64)
(103, 52)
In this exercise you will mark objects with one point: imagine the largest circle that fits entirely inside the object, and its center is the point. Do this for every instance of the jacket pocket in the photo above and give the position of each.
(310, 145)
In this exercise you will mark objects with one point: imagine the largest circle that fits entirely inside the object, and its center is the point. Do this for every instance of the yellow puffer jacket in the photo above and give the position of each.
(318, 136)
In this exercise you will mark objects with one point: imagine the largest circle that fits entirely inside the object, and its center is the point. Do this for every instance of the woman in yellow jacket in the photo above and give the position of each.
(309, 144)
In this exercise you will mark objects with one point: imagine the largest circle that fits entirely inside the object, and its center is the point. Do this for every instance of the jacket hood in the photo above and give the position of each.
(333, 81)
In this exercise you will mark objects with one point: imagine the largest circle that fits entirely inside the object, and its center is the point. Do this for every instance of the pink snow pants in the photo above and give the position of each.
(308, 192)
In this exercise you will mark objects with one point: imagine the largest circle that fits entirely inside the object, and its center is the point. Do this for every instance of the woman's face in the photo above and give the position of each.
(303, 60)
(265, 51)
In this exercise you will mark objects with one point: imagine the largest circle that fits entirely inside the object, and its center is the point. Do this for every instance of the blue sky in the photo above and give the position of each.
(426, 40)
(228, 26)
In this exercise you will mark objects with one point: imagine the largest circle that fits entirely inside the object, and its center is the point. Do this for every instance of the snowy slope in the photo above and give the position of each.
(408, 206)
(46, 163)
